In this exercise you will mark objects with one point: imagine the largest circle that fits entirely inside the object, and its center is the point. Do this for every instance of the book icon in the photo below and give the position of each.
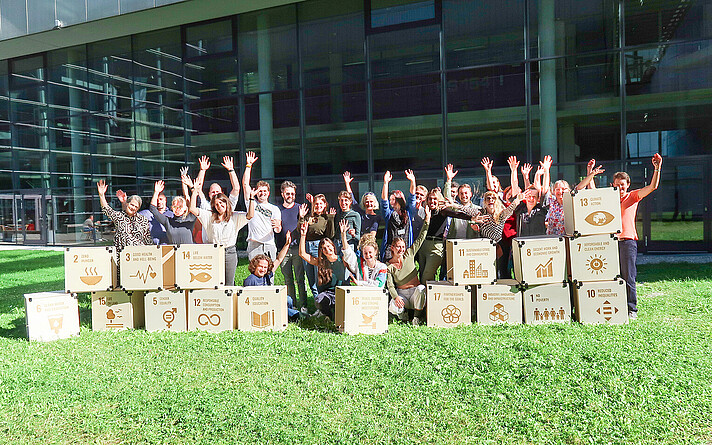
(262, 320)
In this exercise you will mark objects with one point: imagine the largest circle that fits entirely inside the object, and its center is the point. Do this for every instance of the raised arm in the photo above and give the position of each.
(387, 177)
(411, 177)
(423, 232)
(229, 165)
(193, 205)
(251, 206)
(283, 252)
(589, 167)
(347, 183)
(489, 179)
(655, 181)
(184, 187)
(303, 227)
(537, 179)
(513, 178)
(526, 169)
(450, 173)
(546, 176)
(251, 159)
(343, 229)
(158, 187)
(589, 178)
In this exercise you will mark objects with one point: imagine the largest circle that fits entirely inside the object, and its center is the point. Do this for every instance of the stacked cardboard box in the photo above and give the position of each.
(448, 305)
(361, 310)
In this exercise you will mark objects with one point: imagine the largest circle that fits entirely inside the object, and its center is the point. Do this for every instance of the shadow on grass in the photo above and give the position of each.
(319, 324)
(650, 273)
(13, 297)
(34, 262)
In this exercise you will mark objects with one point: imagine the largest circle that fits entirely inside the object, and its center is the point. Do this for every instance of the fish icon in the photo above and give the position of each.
(202, 277)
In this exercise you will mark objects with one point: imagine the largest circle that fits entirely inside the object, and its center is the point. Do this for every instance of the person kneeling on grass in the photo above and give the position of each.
(403, 284)
(262, 270)
(366, 269)
(330, 271)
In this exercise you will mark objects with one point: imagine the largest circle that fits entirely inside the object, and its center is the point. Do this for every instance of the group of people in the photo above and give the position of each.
(320, 247)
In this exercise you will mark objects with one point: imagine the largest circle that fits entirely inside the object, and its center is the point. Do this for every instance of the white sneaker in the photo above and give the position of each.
(317, 313)
(416, 321)
(304, 310)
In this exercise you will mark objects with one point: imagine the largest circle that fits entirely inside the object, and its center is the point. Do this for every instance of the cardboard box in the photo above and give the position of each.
(116, 310)
(593, 258)
(89, 269)
(200, 266)
(147, 267)
(166, 311)
(261, 308)
(539, 259)
(471, 261)
(499, 303)
(548, 303)
(592, 211)
(361, 310)
(599, 302)
(51, 315)
(448, 305)
(212, 309)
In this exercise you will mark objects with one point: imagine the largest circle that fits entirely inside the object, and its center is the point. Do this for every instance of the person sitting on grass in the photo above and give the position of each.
(262, 270)
(330, 270)
(364, 265)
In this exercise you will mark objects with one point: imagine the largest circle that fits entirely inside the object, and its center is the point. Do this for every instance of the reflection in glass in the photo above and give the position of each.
(208, 38)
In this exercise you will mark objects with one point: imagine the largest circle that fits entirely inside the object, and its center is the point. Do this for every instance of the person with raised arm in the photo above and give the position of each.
(222, 224)
(531, 212)
(159, 232)
(131, 228)
(292, 266)
(267, 220)
(396, 215)
(460, 228)
(346, 213)
(179, 225)
(363, 264)
(555, 215)
(628, 239)
(417, 212)
(331, 271)
(403, 285)
(367, 208)
(320, 225)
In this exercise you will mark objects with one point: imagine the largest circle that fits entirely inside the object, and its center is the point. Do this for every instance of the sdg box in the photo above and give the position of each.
(548, 303)
(471, 261)
(539, 259)
(361, 310)
(593, 258)
(600, 302)
(51, 316)
(448, 305)
(499, 303)
(111, 311)
(200, 266)
(212, 309)
(147, 267)
(166, 311)
(89, 269)
(261, 308)
(592, 211)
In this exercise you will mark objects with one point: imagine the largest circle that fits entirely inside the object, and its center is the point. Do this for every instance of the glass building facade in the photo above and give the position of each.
(319, 87)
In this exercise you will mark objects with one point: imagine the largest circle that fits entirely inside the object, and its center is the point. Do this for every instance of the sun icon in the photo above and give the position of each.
(596, 264)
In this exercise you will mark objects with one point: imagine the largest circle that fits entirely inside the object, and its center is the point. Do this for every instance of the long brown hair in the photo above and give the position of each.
(326, 205)
(228, 207)
(323, 264)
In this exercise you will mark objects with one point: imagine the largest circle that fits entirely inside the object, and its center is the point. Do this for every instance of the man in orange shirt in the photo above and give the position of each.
(628, 245)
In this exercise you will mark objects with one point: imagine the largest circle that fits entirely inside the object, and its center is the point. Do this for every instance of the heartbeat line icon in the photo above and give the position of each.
(144, 276)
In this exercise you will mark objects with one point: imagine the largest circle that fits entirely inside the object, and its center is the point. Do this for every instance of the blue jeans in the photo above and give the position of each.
(312, 248)
(628, 254)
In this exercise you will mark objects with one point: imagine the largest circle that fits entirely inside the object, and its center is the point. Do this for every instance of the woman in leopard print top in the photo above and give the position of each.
(131, 228)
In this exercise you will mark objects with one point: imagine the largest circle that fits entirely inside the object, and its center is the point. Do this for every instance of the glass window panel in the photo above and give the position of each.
(331, 40)
(157, 68)
(268, 50)
(71, 12)
(665, 20)
(560, 27)
(41, 15)
(398, 12)
(405, 53)
(335, 103)
(408, 96)
(97, 9)
(31, 136)
(208, 38)
(74, 163)
(32, 160)
(208, 79)
(109, 76)
(5, 136)
(134, 5)
(66, 79)
(13, 20)
(213, 116)
(483, 32)
(486, 115)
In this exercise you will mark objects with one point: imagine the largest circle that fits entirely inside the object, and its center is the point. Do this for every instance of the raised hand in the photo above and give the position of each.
(303, 227)
(450, 172)
(427, 213)
(185, 179)
(387, 176)
(332, 211)
(657, 161)
(410, 176)
(228, 163)
(198, 183)
(101, 187)
(513, 163)
(303, 210)
(343, 226)
(591, 164)
(347, 178)
(253, 193)
(288, 238)
(204, 162)
(310, 198)
(251, 157)
(487, 164)
(546, 163)
(121, 195)
(184, 170)
(526, 168)
(597, 171)
(158, 187)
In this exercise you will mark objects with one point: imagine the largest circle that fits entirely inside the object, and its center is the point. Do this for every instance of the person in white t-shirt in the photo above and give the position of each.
(221, 225)
(267, 219)
(215, 188)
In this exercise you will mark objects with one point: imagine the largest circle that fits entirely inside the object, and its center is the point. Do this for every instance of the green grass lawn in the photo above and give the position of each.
(647, 382)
